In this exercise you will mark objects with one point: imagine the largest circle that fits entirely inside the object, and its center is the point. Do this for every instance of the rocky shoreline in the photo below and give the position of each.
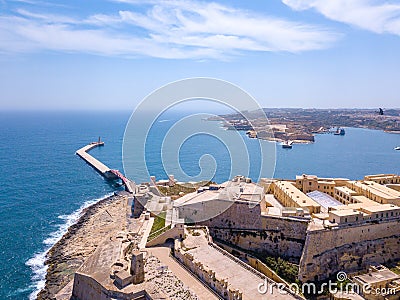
(66, 256)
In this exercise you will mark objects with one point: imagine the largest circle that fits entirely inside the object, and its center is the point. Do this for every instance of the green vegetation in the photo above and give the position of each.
(175, 190)
(286, 270)
(283, 268)
(159, 232)
(396, 270)
(185, 188)
(159, 222)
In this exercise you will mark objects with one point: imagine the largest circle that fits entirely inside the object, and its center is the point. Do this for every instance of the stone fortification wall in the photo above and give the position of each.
(348, 249)
(87, 288)
(239, 214)
(246, 228)
(219, 285)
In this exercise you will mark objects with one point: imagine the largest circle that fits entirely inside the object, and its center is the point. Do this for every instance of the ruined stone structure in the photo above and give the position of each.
(137, 267)
(137, 205)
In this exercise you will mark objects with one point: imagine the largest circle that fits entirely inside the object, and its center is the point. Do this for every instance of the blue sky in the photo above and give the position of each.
(286, 53)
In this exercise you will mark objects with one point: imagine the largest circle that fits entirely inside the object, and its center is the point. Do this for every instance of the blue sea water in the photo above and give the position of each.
(44, 185)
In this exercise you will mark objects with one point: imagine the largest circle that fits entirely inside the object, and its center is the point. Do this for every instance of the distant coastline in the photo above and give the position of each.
(301, 125)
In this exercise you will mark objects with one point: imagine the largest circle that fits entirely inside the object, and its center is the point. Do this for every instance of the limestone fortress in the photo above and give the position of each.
(218, 234)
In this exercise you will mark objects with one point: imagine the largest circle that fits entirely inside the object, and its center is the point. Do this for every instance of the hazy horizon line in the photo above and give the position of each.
(177, 108)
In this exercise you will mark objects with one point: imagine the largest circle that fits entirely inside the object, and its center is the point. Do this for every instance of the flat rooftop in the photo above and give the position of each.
(377, 277)
(323, 199)
(346, 212)
(378, 189)
(346, 190)
(320, 179)
(381, 176)
(295, 194)
(229, 191)
(381, 208)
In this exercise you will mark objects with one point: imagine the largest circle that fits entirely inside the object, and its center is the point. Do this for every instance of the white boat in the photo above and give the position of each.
(287, 144)
(397, 148)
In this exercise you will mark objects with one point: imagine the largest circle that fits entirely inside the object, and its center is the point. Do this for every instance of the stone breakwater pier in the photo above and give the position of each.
(101, 168)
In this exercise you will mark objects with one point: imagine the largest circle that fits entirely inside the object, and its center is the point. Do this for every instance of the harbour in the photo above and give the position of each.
(319, 158)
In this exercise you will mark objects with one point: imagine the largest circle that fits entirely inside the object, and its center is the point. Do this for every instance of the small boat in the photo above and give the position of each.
(397, 148)
(339, 131)
(287, 145)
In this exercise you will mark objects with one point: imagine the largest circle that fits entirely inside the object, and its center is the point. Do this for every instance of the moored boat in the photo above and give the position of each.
(339, 131)
(287, 145)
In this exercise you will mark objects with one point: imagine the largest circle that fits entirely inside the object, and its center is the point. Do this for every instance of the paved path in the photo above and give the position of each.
(162, 253)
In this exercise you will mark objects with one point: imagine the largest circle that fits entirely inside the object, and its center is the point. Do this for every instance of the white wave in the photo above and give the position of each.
(18, 292)
(37, 262)
(162, 121)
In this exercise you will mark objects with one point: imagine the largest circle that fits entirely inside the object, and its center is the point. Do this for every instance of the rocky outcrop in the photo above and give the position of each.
(81, 240)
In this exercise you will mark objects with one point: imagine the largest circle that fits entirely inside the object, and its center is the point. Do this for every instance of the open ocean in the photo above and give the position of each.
(44, 185)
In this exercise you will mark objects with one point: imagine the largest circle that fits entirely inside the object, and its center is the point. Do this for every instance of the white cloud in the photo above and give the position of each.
(170, 29)
(373, 15)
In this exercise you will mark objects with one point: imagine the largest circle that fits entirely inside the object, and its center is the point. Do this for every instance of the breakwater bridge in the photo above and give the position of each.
(102, 169)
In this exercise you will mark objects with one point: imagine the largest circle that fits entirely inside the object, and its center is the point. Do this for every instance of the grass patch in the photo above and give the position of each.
(396, 270)
(185, 188)
(159, 222)
(175, 190)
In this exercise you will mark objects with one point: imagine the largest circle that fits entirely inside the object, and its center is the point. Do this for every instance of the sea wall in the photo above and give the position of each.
(348, 249)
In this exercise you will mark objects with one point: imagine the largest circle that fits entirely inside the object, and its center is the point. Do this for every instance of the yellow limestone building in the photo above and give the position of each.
(357, 201)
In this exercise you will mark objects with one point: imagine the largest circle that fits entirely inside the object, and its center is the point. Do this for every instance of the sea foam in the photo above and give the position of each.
(37, 262)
